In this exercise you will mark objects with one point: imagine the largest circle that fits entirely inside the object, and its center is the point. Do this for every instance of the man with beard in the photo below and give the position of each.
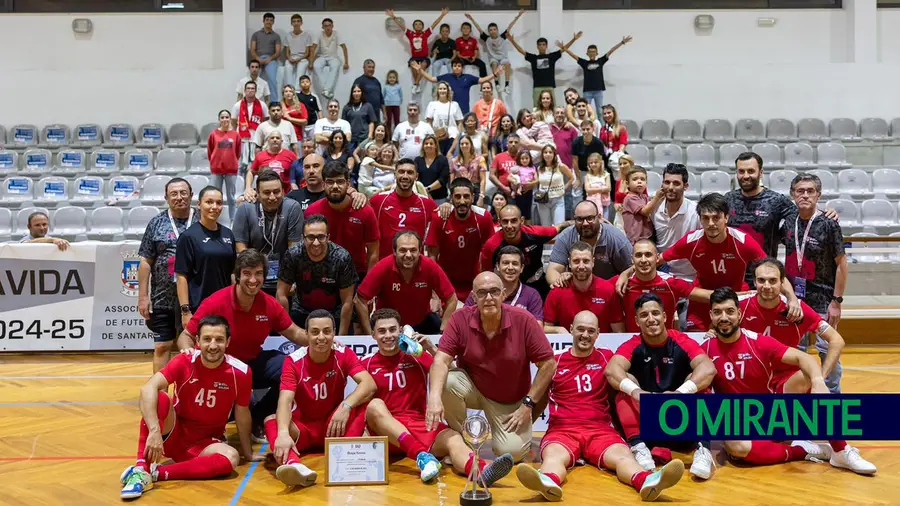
(275, 124)
(188, 430)
(653, 362)
(270, 226)
(320, 274)
(398, 409)
(676, 218)
(402, 209)
(275, 158)
(765, 313)
(612, 250)
(730, 349)
(510, 262)
(455, 243)
(585, 292)
(405, 282)
(252, 315)
(409, 135)
(314, 190)
(356, 230)
(157, 297)
(311, 404)
(581, 424)
(530, 239)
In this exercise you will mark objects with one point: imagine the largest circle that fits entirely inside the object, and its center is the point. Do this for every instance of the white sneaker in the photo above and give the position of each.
(849, 458)
(815, 452)
(660, 480)
(533, 479)
(703, 465)
(643, 456)
(296, 475)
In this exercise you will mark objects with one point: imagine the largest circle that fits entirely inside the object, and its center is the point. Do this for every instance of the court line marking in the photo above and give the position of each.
(64, 403)
(240, 490)
(31, 378)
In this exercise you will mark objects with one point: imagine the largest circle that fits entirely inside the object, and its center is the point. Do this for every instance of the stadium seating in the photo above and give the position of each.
(749, 131)
(728, 153)
(69, 163)
(855, 184)
(209, 127)
(715, 181)
(718, 130)
(832, 155)
(886, 183)
(878, 216)
(16, 191)
(22, 137)
(812, 130)
(87, 136)
(687, 131)
(137, 219)
(106, 224)
(171, 161)
(6, 229)
(86, 191)
(153, 192)
(701, 157)
(54, 136)
(123, 189)
(199, 161)
(118, 135)
(799, 155)
(770, 153)
(9, 162)
(656, 131)
(198, 182)
(150, 136)
(844, 129)
(654, 182)
(51, 191)
(781, 130)
(640, 154)
(664, 154)
(69, 222)
(780, 180)
(829, 182)
(183, 135)
(874, 129)
(137, 162)
(37, 162)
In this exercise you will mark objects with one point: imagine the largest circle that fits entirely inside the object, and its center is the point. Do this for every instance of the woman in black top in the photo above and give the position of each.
(434, 169)
(204, 255)
(339, 151)
(361, 116)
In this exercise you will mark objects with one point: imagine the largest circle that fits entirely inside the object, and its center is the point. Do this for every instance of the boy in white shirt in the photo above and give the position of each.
(328, 124)
(297, 52)
(497, 48)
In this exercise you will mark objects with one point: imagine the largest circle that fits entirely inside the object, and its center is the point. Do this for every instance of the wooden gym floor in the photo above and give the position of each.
(68, 427)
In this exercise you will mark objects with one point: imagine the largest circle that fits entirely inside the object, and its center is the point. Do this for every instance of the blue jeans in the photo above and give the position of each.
(596, 98)
(833, 380)
(270, 74)
(229, 181)
(440, 67)
(293, 71)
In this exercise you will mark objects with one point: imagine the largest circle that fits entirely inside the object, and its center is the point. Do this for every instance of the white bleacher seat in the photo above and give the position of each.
(844, 129)
(137, 162)
(847, 210)
(51, 191)
(654, 182)
(123, 188)
(664, 154)
(153, 191)
(832, 155)
(87, 135)
(198, 182)
(718, 130)
(9, 162)
(728, 153)
(136, 221)
(103, 162)
(770, 153)
(862, 256)
(69, 222)
(656, 131)
(748, 130)
(36, 162)
(829, 182)
(895, 128)
(200, 161)
(22, 137)
(799, 155)
(54, 136)
(812, 130)
(874, 129)
(780, 181)
(640, 154)
(118, 135)
(171, 161)
(879, 215)
(69, 162)
(886, 183)
(687, 131)
(183, 135)
(207, 129)
(701, 157)
(86, 191)
(631, 126)
(5, 224)
(150, 136)
(16, 190)
(693, 186)
(855, 184)
(105, 224)
(715, 181)
(21, 223)
(781, 130)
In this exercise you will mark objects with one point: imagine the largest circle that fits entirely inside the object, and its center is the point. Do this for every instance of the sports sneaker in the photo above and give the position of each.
(137, 482)
(126, 473)
(535, 480)
(428, 465)
(660, 480)
(849, 458)
(258, 434)
(643, 456)
(296, 475)
(703, 465)
(815, 452)
(496, 470)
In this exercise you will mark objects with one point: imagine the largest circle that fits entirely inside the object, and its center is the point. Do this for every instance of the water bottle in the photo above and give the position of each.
(409, 345)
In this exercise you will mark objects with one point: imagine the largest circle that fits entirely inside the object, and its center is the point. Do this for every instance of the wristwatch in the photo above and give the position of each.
(839, 300)
(185, 308)
(528, 401)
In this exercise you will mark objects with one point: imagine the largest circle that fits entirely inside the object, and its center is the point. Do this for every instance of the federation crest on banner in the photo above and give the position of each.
(131, 262)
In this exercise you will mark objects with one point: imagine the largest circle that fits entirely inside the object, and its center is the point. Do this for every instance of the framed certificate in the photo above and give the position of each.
(356, 461)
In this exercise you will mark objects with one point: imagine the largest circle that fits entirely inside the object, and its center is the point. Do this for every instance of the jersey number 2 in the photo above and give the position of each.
(402, 222)
(206, 397)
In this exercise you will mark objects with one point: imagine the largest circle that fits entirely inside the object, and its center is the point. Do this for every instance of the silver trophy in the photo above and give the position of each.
(475, 432)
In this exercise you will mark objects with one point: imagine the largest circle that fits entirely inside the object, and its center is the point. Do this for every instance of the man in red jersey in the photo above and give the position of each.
(208, 384)
(460, 237)
(657, 360)
(276, 158)
(530, 239)
(584, 292)
(745, 362)
(402, 209)
(581, 425)
(405, 282)
(355, 230)
(398, 409)
(719, 254)
(765, 313)
(646, 279)
(311, 404)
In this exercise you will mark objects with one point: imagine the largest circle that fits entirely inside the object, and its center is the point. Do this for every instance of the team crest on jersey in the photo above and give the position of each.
(415, 209)
(528, 249)
(220, 386)
(668, 360)
(782, 323)
(355, 220)
(745, 356)
(728, 256)
(421, 284)
(598, 300)
(330, 374)
(405, 365)
(593, 367)
(262, 318)
(131, 262)
(471, 230)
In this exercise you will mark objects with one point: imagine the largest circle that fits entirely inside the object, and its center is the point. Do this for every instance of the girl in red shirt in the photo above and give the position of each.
(294, 111)
(223, 149)
(613, 133)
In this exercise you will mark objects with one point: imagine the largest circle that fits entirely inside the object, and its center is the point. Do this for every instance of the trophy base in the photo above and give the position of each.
(475, 498)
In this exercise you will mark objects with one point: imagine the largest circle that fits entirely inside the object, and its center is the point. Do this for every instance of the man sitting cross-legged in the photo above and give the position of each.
(311, 404)
(581, 425)
(208, 383)
(398, 409)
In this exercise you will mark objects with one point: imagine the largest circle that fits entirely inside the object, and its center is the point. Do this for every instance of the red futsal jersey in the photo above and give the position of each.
(401, 381)
(204, 397)
(280, 163)
(773, 322)
(411, 299)
(418, 42)
(564, 303)
(579, 393)
(466, 47)
(395, 213)
(318, 388)
(460, 243)
(669, 289)
(745, 366)
(350, 229)
(717, 265)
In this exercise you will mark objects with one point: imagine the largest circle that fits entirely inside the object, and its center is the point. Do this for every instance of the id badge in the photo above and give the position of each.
(800, 287)
(272, 273)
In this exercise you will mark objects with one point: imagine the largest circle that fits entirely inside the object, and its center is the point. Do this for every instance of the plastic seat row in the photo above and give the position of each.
(101, 224)
(707, 157)
(752, 130)
(103, 161)
(877, 216)
(148, 135)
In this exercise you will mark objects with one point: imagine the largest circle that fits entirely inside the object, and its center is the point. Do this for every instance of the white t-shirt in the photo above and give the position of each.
(410, 138)
(288, 134)
(298, 44)
(444, 115)
(328, 46)
(326, 126)
(262, 87)
(670, 229)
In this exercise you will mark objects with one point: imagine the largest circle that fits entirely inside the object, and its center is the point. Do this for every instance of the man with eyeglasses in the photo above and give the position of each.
(320, 274)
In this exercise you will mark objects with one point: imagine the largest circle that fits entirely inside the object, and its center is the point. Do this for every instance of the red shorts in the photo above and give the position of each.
(415, 425)
(780, 378)
(181, 445)
(590, 443)
(312, 432)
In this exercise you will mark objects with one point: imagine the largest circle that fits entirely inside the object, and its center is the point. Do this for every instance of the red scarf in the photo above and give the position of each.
(249, 122)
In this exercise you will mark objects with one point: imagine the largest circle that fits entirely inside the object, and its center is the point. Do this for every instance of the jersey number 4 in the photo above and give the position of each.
(730, 370)
(206, 398)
